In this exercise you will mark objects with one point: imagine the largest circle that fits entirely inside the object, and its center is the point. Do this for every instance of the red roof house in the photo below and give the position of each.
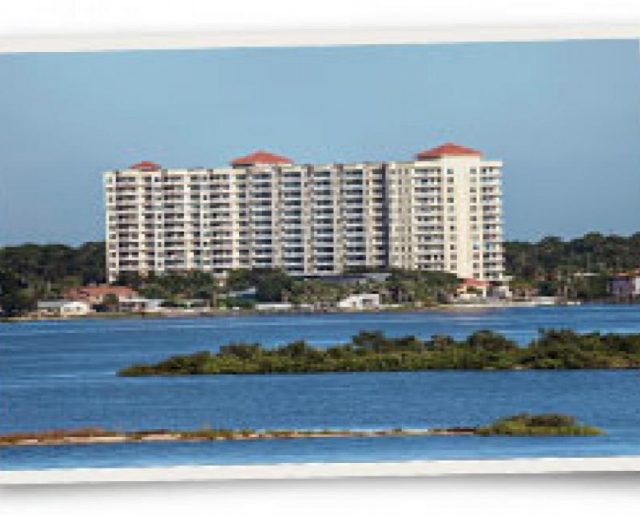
(261, 157)
(94, 294)
(448, 149)
(476, 283)
(471, 285)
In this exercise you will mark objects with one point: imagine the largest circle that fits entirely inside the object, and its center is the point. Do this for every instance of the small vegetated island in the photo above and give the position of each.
(545, 424)
(373, 352)
(524, 424)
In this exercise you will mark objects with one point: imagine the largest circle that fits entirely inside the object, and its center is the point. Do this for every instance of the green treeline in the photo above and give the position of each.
(575, 269)
(372, 351)
(173, 287)
(274, 285)
(32, 272)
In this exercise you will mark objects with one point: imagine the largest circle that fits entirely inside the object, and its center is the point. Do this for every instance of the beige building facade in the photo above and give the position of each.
(441, 211)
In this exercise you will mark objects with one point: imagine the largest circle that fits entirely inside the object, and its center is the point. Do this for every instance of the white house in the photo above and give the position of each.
(360, 301)
(274, 306)
(63, 307)
(140, 305)
(471, 289)
(625, 285)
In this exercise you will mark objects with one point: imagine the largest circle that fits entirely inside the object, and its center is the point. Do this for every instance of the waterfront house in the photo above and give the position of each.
(141, 305)
(625, 286)
(95, 294)
(274, 306)
(472, 289)
(63, 307)
(360, 301)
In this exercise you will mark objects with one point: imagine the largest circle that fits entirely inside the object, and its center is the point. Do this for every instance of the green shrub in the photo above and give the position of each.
(545, 424)
(373, 351)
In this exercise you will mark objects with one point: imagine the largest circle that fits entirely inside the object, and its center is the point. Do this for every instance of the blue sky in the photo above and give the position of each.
(564, 117)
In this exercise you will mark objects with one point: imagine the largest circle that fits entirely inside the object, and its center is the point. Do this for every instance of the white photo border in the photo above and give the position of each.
(81, 42)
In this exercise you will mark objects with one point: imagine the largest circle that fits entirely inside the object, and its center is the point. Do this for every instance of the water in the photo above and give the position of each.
(61, 374)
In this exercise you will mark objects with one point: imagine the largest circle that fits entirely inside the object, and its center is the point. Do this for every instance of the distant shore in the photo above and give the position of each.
(264, 312)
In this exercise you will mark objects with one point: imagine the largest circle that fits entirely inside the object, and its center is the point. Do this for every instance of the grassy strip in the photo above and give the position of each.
(94, 435)
(549, 424)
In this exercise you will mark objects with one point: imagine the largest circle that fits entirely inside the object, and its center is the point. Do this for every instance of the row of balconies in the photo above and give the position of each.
(351, 233)
(226, 209)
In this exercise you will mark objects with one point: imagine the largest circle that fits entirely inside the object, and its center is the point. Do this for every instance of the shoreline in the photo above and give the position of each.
(440, 308)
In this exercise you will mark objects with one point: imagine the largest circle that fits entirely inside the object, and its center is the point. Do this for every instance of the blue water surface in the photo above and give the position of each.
(61, 374)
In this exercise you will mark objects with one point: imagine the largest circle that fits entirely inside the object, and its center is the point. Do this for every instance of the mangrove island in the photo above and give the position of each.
(374, 352)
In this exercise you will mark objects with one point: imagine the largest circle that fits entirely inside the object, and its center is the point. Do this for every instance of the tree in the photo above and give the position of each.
(33, 271)
(111, 301)
(15, 299)
(272, 284)
(419, 285)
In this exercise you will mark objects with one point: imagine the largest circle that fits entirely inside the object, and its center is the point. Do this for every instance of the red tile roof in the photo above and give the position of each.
(448, 149)
(97, 292)
(474, 282)
(146, 166)
(261, 157)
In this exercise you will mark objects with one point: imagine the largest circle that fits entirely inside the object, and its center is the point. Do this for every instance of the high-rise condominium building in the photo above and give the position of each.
(441, 211)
